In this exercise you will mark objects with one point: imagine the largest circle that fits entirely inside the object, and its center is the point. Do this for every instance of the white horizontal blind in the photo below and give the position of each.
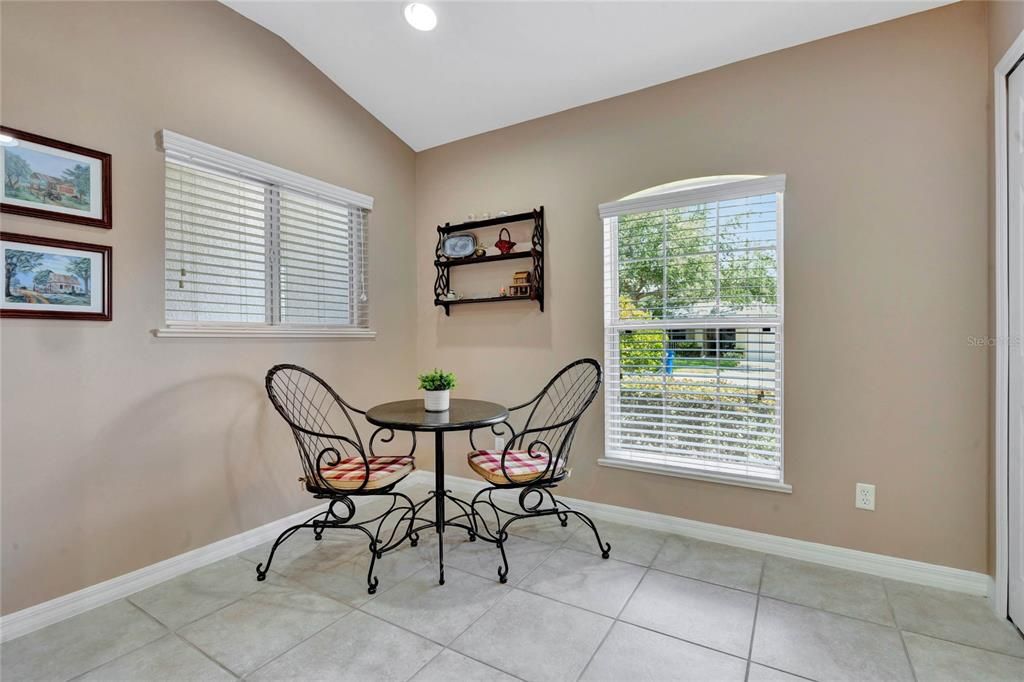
(215, 247)
(248, 244)
(693, 322)
(323, 262)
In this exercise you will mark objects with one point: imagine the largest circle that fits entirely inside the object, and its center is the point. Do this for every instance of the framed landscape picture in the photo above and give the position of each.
(46, 178)
(54, 278)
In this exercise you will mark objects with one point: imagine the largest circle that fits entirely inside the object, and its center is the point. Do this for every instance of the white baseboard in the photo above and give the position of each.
(881, 565)
(34, 617)
(39, 616)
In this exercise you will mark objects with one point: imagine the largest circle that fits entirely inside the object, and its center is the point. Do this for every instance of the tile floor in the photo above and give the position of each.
(662, 608)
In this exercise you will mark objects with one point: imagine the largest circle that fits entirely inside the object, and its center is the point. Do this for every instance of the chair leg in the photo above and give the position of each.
(503, 569)
(261, 572)
(318, 527)
(545, 505)
(378, 544)
(332, 519)
(371, 579)
(604, 547)
(526, 510)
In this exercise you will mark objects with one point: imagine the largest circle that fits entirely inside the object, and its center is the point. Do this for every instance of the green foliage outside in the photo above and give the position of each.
(642, 350)
(437, 380)
(675, 249)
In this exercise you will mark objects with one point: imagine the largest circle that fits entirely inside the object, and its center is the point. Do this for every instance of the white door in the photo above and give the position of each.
(1015, 197)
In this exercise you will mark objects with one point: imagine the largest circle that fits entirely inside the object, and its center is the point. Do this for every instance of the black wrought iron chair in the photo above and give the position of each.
(336, 466)
(535, 459)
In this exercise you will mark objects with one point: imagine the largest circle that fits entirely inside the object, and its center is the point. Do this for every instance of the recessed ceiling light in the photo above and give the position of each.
(421, 17)
(7, 141)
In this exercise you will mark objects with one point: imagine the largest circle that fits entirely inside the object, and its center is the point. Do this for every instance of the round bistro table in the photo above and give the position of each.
(462, 415)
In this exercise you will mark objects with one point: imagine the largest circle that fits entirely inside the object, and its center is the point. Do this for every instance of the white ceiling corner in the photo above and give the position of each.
(493, 64)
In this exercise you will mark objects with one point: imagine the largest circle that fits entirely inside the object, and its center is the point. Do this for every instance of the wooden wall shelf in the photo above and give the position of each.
(443, 265)
(448, 228)
(488, 299)
(451, 263)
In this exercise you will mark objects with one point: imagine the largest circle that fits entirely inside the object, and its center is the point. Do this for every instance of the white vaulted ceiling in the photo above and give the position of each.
(493, 64)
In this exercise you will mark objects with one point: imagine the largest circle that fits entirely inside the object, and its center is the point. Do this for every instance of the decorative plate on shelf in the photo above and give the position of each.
(459, 245)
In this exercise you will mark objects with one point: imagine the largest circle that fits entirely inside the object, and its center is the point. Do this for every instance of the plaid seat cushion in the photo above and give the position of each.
(520, 466)
(349, 473)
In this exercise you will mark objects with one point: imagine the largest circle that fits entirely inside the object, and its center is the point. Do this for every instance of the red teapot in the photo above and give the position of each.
(505, 243)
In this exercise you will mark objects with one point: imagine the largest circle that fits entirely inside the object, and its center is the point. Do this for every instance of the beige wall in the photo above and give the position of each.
(1005, 22)
(882, 133)
(120, 449)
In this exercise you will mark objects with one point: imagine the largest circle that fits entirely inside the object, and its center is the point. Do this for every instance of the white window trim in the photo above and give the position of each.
(675, 199)
(199, 331)
(688, 197)
(216, 158)
(232, 162)
(694, 474)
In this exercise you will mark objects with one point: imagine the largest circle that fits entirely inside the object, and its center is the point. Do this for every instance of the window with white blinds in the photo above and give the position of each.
(250, 247)
(693, 329)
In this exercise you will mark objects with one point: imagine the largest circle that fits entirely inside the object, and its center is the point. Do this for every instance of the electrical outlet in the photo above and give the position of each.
(499, 443)
(865, 498)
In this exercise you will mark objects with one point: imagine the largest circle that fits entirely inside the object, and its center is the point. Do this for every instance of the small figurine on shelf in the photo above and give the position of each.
(451, 296)
(502, 292)
(480, 251)
(520, 284)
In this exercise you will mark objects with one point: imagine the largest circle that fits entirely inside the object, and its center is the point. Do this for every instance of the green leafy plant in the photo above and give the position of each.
(438, 380)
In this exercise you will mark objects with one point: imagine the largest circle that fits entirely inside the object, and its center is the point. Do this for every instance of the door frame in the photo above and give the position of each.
(1002, 70)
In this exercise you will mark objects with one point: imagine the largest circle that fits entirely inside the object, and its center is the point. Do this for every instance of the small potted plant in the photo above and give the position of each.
(437, 385)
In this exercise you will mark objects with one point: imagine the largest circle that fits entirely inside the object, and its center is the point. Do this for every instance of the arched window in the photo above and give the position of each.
(693, 329)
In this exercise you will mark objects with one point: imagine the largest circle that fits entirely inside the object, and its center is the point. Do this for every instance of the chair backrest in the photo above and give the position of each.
(556, 411)
(320, 420)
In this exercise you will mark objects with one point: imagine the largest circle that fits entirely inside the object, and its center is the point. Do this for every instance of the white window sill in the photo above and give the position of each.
(680, 472)
(261, 333)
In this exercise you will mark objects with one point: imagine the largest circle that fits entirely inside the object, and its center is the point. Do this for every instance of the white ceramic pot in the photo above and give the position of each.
(436, 401)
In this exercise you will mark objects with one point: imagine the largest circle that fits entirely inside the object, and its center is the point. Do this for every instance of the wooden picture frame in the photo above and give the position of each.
(54, 180)
(56, 279)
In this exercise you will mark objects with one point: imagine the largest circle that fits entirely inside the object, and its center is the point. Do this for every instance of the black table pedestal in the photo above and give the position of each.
(462, 415)
(439, 495)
